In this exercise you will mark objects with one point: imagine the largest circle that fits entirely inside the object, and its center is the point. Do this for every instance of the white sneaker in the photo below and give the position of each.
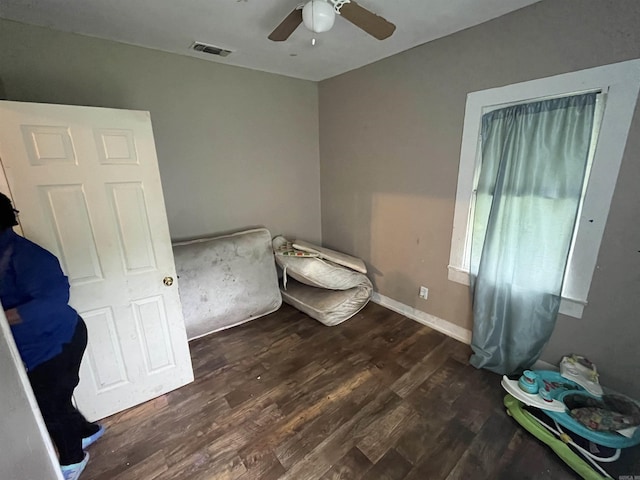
(73, 471)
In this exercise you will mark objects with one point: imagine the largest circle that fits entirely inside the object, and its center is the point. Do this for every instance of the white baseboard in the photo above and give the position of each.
(450, 329)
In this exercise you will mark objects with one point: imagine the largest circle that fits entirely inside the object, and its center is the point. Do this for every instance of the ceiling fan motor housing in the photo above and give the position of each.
(318, 16)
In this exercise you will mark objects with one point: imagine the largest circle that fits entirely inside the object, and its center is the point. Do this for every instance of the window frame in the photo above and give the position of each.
(621, 83)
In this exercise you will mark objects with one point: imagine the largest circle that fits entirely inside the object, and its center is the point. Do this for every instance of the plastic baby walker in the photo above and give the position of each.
(569, 411)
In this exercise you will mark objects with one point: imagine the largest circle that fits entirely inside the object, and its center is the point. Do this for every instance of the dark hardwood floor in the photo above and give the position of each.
(284, 397)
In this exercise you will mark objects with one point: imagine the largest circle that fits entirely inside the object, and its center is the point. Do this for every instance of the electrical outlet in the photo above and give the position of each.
(424, 292)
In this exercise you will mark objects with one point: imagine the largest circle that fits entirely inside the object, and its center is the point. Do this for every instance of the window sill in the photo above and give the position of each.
(568, 306)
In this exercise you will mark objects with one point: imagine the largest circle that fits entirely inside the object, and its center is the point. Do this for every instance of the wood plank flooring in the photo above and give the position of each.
(284, 397)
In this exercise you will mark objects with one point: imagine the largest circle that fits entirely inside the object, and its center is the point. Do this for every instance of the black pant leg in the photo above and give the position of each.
(75, 352)
(53, 383)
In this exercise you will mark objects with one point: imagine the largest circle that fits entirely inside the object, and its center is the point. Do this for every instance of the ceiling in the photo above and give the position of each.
(242, 26)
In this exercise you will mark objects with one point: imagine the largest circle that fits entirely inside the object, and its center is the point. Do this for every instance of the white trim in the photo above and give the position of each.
(572, 308)
(29, 439)
(568, 306)
(621, 82)
(458, 275)
(450, 329)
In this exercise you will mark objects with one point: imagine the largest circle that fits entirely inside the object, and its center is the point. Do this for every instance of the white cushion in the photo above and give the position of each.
(316, 271)
(322, 289)
(329, 307)
(331, 255)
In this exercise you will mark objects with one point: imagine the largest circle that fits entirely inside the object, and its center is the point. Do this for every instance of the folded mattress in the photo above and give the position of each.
(315, 284)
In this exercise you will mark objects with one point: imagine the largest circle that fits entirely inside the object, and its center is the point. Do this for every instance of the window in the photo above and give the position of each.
(619, 83)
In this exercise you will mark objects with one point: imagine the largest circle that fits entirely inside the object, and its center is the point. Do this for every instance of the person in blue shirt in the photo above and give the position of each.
(50, 335)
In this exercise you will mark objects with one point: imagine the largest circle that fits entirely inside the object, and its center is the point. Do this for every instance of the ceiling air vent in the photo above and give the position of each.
(210, 49)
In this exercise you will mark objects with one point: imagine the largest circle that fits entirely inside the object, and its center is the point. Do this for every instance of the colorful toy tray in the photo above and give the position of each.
(559, 388)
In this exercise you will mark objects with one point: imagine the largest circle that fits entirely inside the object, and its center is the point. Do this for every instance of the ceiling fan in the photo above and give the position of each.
(319, 15)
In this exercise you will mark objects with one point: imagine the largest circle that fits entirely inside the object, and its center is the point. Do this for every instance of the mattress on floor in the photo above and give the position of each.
(227, 280)
(326, 291)
(330, 307)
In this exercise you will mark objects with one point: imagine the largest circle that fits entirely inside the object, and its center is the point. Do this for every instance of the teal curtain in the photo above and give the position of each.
(534, 158)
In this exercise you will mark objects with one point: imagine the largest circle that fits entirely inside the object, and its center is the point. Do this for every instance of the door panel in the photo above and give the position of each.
(130, 212)
(105, 375)
(48, 144)
(153, 332)
(87, 185)
(67, 214)
(115, 146)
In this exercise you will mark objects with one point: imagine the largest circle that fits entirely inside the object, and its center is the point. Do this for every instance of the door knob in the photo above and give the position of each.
(168, 281)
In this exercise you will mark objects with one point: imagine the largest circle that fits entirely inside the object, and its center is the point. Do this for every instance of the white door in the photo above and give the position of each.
(87, 186)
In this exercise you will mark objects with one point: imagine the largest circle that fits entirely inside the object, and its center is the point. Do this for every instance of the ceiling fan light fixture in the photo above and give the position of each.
(318, 16)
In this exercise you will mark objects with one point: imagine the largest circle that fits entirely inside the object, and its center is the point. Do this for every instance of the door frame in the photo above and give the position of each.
(50, 461)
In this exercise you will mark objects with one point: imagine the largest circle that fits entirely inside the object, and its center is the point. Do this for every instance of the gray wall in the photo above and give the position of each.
(390, 138)
(236, 147)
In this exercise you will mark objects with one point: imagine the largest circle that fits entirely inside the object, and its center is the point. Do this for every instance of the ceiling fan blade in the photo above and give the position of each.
(373, 24)
(287, 26)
